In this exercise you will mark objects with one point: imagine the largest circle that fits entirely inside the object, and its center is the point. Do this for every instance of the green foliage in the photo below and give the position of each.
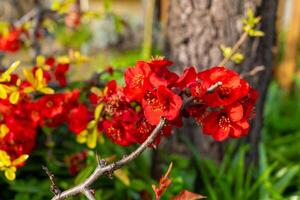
(228, 53)
(281, 112)
(281, 134)
(249, 24)
(234, 179)
(72, 38)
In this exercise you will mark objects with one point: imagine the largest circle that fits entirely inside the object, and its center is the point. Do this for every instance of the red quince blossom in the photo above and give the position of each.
(137, 81)
(52, 105)
(20, 138)
(248, 102)
(78, 118)
(119, 132)
(187, 78)
(11, 42)
(161, 75)
(144, 129)
(232, 88)
(60, 73)
(161, 102)
(230, 121)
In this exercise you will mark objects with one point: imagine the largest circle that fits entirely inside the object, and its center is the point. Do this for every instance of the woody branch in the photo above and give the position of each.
(100, 170)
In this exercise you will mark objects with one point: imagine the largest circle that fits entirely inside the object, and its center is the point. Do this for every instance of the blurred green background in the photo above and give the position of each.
(116, 38)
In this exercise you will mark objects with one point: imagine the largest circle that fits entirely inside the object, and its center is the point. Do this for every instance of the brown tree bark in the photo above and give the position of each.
(195, 31)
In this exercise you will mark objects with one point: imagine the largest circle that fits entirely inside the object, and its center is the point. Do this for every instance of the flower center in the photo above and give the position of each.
(115, 133)
(224, 92)
(154, 103)
(49, 104)
(224, 122)
(113, 105)
(137, 81)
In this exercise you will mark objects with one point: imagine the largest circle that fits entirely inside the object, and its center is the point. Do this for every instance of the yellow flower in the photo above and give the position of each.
(3, 130)
(5, 90)
(38, 82)
(10, 167)
(5, 76)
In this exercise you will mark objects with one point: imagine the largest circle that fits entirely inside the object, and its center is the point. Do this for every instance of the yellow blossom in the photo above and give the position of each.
(10, 166)
(38, 82)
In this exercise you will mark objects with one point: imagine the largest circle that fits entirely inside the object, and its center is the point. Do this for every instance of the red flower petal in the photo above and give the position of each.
(235, 112)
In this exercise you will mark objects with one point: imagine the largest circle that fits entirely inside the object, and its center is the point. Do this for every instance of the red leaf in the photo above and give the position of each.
(164, 183)
(187, 195)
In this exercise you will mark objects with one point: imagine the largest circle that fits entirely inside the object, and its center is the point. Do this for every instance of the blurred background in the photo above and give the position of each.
(264, 165)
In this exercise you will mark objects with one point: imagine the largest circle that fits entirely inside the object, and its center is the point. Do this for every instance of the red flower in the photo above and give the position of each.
(78, 118)
(34, 113)
(11, 42)
(119, 132)
(248, 102)
(51, 105)
(161, 103)
(18, 143)
(230, 121)
(198, 112)
(71, 99)
(50, 62)
(232, 88)
(137, 81)
(188, 77)
(60, 73)
(159, 64)
(161, 75)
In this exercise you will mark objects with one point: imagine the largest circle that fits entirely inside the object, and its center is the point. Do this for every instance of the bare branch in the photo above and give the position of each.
(236, 46)
(54, 188)
(28, 16)
(193, 101)
(88, 194)
(214, 86)
(108, 169)
(253, 72)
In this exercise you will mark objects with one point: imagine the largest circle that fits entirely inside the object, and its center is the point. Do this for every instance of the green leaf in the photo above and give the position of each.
(84, 174)
(237, 58)
(285, 178)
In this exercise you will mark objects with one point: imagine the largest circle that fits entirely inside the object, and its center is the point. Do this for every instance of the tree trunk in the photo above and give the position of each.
(195, 31)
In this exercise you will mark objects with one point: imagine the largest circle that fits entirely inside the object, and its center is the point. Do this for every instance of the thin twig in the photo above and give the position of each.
(191, 100)
(88, 194)
(54, 188)
(108, 169)
(28, 16)
(237, 45)
(214, 86)
(253, 72)
(38, 21)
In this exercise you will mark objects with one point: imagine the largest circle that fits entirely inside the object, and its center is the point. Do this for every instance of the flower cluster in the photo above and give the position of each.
(218, 99)
(22, 111)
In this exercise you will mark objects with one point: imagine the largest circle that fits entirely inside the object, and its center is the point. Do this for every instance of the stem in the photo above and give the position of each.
(88, 194)
(148, 28)
(28, 16)
(100, 170)
(234, 49)
(38, 21)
